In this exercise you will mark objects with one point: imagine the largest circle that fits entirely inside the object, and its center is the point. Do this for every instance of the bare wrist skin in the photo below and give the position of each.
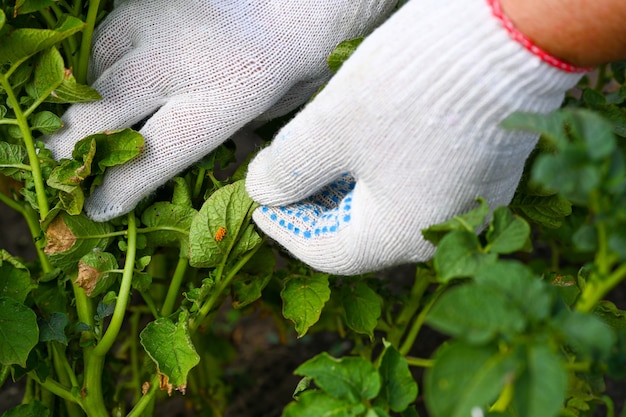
(584, 33)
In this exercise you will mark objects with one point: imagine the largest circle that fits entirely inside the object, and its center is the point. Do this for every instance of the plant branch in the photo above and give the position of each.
(42, 200)
(172, 291)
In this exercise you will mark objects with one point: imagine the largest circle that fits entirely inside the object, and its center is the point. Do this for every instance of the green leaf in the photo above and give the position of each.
(476, 314)
(467, 222)
(507, 233)
(595, 131)
(15, 280)
(69, 91)
(172, 223)
(321, 404)
(11, 158)
(460, 255)
(342, 52)
(587, 334)
(517, 284)
(18, 331)
(32, 409)
(465, 377)
(29, 6)
(540, 388)
(352, 379)
(549, 125)
(48, 75)
(303, 299)
(23, 43)
(113, 147)
(69, 238)
(253, 278)
(547, 211)
(216, 230)
(170, 347)
(362, 307)
(53, 328)
(97, 271)
(399, 389)
(46, 122)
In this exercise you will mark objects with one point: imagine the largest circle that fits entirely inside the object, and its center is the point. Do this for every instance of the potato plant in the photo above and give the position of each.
(116, 318)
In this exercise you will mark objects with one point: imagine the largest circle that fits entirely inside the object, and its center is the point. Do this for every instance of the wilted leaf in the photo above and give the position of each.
(69, 238)
(96, 272)
(169, 346)
(303, 300)
(18, 331)
(113, 147)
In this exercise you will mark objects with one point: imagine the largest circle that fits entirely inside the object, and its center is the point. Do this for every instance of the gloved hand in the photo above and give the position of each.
(201, 70)
(407, 135)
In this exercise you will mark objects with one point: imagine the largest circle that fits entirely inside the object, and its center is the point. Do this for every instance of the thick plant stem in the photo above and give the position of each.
(94, 400)
(42, 200)
(597, 288)
(85, 46)
(172, 292)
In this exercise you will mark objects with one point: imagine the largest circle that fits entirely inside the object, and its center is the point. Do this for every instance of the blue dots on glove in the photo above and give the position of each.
(321, 214)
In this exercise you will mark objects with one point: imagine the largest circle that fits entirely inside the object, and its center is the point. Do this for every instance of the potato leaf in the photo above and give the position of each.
(362, 307)
(69, 238)
(399, 389)
(170, 347)
(303, 300)
(20, 44)
(352, 379)
(472, 376)
(222, 226)
(16, 282)
(18, 331)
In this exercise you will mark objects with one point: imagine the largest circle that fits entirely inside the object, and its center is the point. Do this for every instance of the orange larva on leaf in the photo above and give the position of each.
(219, 235)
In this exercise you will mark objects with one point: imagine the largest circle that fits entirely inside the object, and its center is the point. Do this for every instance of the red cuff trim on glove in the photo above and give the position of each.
(522, 39)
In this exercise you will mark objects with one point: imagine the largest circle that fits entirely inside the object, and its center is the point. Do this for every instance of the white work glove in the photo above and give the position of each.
(200, 70)
(412, 121)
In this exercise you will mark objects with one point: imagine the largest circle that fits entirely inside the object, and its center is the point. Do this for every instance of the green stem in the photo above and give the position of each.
(199, 182)
(32, 221)
(409, 308)
(420, 362)
(57, 389)
(146, 399)
(93, 370)
(66, 377)
(85, 46)
(172, 291)
(596, 288)
(419, 321)
(124, 294)
(206, 308)
(42, 200)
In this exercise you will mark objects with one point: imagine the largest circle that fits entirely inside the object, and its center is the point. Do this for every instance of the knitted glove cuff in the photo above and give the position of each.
(527, 43)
